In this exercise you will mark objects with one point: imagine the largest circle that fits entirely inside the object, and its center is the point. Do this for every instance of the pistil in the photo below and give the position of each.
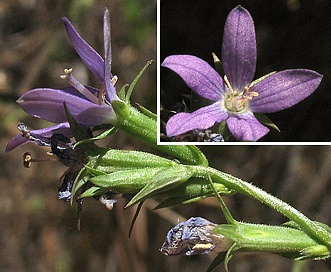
(236, 101)
(78, 86)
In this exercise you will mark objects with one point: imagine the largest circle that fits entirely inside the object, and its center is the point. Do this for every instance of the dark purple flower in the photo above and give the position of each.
(87, 105)
(237, 97)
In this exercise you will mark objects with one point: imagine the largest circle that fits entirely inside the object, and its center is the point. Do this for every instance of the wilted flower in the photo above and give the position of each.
(191, 237)
(237, 97)
(39, 136)
(87, 105)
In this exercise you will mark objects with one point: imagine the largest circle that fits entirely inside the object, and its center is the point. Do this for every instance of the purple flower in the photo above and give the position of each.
(237, 97)
(88, 106)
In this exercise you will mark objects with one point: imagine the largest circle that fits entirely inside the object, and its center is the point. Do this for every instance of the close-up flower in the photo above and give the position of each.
(237, 97)
(89, 106)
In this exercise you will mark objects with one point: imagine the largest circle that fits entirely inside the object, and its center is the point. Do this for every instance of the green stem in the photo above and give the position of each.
(133, 122)
(307, 225)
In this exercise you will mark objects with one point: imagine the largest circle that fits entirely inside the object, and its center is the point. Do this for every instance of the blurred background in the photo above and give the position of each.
(39, 233)
(290, 34)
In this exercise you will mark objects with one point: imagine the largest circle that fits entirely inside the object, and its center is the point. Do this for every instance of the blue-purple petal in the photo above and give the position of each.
(239, 48)
(18, 140)
(110, 89)
(284, 89)
(245, 127)
(197, 74)
(90, 57)
(202, 118)
(48, 104)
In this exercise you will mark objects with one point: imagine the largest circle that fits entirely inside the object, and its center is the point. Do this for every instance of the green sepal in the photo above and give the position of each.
(101, 136)
(262, 118)
(164, 180)
(78, 132)
(191, 191)
(218, 64)
(80, 181)
(318, 252)
(142, 127)
(93, 191)
(216, 262)
(135, 81)
(147, 112)
(260, 79)
(134, 219)
(122, 92)
(95, 171)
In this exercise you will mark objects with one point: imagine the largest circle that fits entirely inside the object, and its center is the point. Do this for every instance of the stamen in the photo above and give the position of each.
(233, 92)
(78, 86)
(114, 80)
(227, 82)
(102, 95)
(28, 160)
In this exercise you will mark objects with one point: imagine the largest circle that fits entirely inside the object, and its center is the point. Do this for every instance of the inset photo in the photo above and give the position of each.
(244, 73)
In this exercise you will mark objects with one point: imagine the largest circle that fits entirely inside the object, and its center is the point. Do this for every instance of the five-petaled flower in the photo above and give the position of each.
(89, 106)
(236, 97)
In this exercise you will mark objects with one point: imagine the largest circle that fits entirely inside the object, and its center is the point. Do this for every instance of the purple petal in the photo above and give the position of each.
(197, 74)
(284, 89)
(239, 48)
(90, 57)
(18, 140)
(48, 104)
(201, 119)
(245, 127)
(110, 89)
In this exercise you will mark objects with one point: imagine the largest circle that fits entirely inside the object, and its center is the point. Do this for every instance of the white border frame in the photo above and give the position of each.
(158, 106)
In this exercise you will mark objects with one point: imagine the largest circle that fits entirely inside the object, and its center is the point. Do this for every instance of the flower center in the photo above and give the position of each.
(236, 101)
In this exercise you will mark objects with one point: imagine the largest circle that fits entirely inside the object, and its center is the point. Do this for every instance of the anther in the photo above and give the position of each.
(114, 80)
(28, 160)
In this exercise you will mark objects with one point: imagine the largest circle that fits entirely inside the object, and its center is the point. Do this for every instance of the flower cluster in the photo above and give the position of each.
(236, 97)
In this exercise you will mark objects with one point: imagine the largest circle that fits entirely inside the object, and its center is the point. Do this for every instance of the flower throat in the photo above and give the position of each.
(237, 101)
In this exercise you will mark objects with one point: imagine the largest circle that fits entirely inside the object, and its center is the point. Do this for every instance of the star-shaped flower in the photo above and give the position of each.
(236, 97)
(88, 106)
